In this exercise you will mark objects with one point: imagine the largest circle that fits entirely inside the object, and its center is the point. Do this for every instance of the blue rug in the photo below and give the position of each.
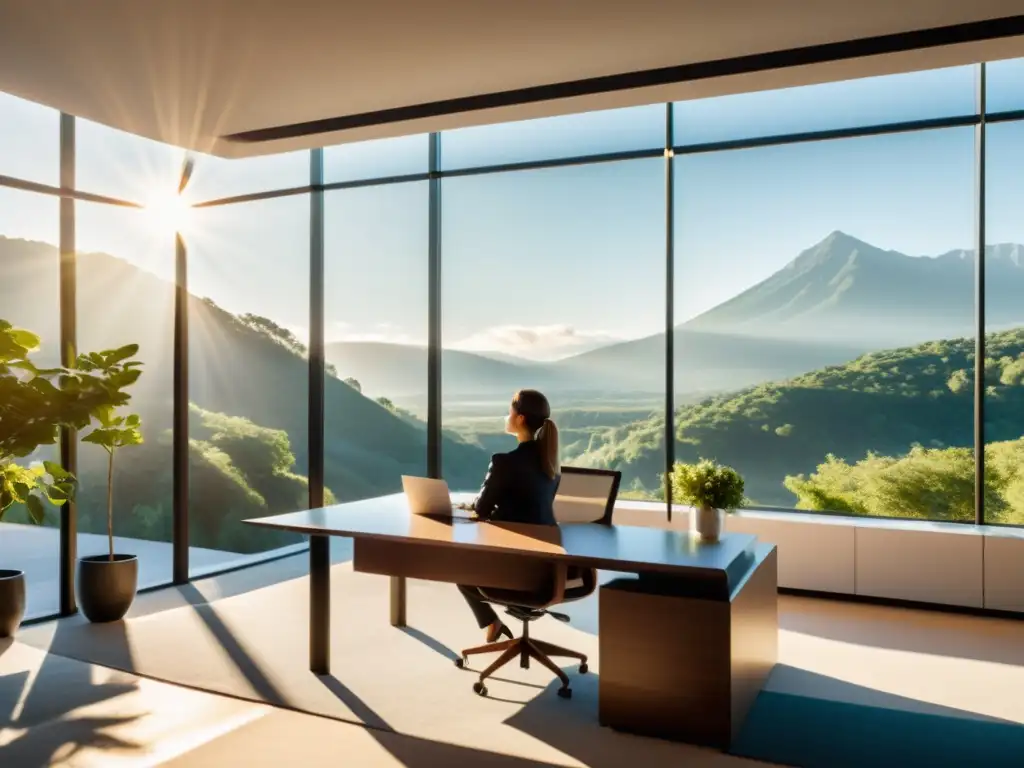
(818, 733)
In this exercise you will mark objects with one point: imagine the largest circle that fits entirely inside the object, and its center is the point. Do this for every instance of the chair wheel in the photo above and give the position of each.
(479, 688)
(565, 693)
(584, 668)
(460, 662)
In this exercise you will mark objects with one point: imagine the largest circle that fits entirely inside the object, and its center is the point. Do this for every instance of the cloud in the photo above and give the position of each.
(386, 333)
(535, 342)
(385, 338)
(539, 342)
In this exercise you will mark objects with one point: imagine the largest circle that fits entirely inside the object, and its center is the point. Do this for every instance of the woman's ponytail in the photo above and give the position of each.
(547, 436)
(536, 412)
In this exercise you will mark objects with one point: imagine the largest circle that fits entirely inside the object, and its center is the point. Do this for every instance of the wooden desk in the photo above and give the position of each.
(671, 564)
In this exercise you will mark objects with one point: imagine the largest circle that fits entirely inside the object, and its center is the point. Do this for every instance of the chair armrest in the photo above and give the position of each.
(560, 575)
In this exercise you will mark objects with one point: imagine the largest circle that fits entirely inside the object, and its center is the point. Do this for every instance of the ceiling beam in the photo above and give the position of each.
(972, 32)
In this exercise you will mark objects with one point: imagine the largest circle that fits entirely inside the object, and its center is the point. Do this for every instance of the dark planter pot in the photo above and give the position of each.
(12, 601)
(106, 588)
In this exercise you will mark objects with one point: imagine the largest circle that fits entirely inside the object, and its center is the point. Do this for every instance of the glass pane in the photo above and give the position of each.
(377, 159)
(124, 166)
(1004, 326)
(1005, 82)
(589, 133)
(215, 177)
(126, 296)
(30, 299)
(554, 279)
(248, 374)
(376, 335)
(848, 104)
(825, 310)
(29, 141)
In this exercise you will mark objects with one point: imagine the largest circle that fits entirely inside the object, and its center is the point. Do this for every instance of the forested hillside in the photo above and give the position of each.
(889, 433)
(248, 386)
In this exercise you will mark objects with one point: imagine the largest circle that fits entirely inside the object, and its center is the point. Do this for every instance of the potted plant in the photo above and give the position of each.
(34, 403)
(712, 490)
(108, 583)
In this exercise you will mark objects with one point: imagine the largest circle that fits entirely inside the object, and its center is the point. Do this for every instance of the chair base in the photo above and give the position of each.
(525, 648)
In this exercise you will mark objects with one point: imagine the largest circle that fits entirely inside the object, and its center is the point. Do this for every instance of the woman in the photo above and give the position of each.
(519, 486)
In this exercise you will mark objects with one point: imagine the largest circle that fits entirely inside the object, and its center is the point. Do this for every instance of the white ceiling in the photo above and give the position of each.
(190, 72)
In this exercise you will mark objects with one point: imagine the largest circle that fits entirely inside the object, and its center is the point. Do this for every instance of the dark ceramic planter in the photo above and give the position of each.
(12, 601)
(106, 588)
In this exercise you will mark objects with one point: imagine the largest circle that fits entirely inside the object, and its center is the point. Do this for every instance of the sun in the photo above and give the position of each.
(168, 213)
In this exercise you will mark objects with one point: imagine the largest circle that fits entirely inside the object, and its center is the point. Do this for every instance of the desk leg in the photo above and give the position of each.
(320, 604)
(398, 601)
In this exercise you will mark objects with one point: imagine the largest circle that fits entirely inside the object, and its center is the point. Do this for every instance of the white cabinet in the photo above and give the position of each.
(927, 566)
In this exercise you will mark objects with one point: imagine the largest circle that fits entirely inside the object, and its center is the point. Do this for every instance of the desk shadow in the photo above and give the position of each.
(415, 751)
(794, 681)
(42, 705)
(432, 643)
(856, 726)
(572, 726)
(365, 715)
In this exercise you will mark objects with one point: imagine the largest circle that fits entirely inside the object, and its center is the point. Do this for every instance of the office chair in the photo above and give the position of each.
(584, 496)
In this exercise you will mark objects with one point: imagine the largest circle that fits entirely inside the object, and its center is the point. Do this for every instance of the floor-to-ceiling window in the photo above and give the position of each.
(248, 373)
(30, 300)
(1004, 297)
(554, 279)
(375, 331)
(125, 295)
(215, 178)
(825, 306)
(825, 297)
(29, 141)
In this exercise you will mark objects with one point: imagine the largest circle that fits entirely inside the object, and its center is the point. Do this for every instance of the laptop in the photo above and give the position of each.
(428, 496)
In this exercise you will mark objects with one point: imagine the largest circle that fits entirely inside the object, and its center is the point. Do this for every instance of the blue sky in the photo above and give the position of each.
(549, 262)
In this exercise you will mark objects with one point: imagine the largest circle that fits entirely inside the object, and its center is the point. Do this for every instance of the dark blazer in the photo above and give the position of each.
(516, 488)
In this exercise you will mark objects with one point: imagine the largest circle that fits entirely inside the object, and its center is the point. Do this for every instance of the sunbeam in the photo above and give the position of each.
(168, 213)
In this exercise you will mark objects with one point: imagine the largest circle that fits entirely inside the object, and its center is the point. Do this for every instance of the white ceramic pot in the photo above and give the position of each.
(708, 523)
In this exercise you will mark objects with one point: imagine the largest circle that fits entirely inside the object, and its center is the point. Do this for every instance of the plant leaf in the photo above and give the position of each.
(24, 338)
(57, 472)
(122, 353)
(35, 509)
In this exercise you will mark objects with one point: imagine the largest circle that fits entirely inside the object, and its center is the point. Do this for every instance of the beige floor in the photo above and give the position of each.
(245, 635)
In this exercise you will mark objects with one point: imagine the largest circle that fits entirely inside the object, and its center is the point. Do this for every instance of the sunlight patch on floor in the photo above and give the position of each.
(152, 724)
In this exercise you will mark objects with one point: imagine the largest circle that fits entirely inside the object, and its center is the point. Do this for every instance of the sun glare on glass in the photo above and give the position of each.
(168, 213)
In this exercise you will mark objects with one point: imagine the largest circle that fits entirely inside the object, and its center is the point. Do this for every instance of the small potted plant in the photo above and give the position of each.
(107, 583)
(27, 486)
(712, 490)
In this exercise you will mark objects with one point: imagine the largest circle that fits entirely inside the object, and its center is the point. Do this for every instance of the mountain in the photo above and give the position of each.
(400, 370)
(844, 289)
(704, 361)
(235, 370)
(836, 300)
